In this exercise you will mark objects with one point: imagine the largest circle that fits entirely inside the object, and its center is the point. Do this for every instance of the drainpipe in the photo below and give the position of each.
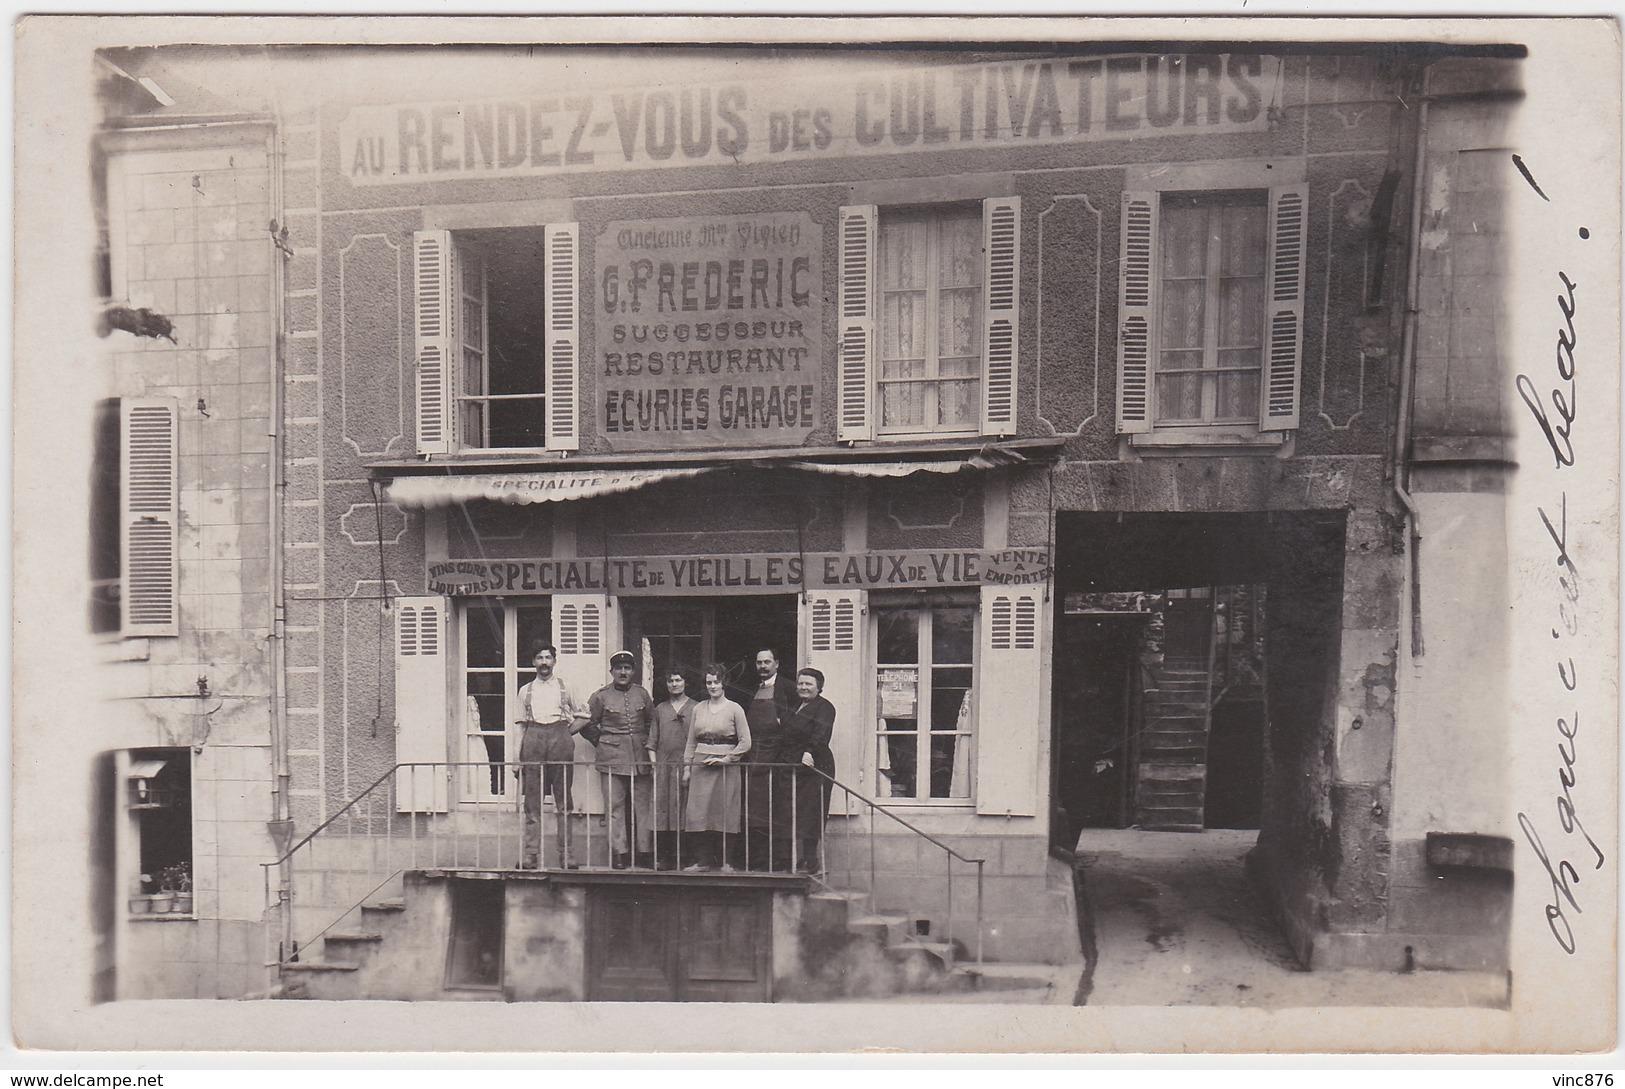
(281, 825)
(1407, 365)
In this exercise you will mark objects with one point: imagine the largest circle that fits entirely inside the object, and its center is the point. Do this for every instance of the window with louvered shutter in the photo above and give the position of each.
(1210, 334)
(834, 643)
(149, 517)
(498, 338)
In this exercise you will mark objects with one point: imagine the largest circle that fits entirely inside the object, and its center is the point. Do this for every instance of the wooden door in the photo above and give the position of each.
(652, 944)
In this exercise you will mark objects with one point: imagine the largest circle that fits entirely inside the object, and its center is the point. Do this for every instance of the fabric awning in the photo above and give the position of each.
(991, 457)
(146, 769)
(584, 481)
(524, 488)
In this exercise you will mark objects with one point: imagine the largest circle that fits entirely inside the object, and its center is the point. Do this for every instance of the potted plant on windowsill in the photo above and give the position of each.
(175, 889)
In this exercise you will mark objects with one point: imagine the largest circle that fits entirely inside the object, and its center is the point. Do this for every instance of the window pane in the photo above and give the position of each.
(1184, 241)
(1238, 396)
(1179, 397)
(903, 253)
(902, 405)
(1241, 312)
(950, 693)
(950, 767)
(902, 368)
(952, 639)
(897, 636)
(1241, 240)
(956, 404)
(959, 322)
(484, 642)
(897, 758)
(473, 323)
(535, 629)
(959, 263)
(518, 423)
(902, 320)
(1184, 309)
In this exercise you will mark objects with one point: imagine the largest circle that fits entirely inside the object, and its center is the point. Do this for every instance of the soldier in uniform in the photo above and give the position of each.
(622, 712)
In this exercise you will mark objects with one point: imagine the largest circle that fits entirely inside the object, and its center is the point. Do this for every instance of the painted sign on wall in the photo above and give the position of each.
(708, 332)
(854, 110)
(753, 573)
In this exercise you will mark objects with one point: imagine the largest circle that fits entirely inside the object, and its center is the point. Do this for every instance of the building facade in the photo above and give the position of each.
(1112, 429)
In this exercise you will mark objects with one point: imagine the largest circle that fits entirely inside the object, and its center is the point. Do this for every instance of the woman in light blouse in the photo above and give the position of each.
(718, 738)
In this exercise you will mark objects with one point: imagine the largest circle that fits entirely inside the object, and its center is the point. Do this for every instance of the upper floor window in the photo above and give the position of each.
(1211, 315)
(929, 310)
(497, 339)
(134, 518)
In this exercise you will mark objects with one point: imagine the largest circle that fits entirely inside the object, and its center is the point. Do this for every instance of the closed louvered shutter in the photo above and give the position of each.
(421, 714)
(149, 517)
(563, 336)
(1001, 243)
(832, 631)
(1289, 222)
(435, 316)
(856, 365)
(1010, 716)
(1136, 313)
(586, 633)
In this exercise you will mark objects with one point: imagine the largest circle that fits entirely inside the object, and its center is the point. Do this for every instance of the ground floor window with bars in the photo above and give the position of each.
(499, 644)
(924, 675)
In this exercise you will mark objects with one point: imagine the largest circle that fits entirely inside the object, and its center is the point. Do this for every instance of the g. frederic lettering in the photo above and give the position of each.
(1558, 433)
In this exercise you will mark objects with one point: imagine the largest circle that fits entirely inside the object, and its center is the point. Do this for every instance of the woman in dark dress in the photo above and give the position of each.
(807, 732)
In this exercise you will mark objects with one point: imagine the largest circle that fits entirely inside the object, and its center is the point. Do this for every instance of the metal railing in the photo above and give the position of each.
(519, 816)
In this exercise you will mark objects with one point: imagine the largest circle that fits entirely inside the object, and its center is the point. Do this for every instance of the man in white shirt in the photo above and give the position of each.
(547, 749)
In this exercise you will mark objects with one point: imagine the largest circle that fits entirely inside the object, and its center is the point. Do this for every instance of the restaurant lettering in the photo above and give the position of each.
(707, 334)
(994, 105)
(760, 573)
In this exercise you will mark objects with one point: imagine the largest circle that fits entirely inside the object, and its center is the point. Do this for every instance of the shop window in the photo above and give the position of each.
(157, 787)
(499, 647)
(1211, 315)
(929, 309)
(924, 670)
(497, 339)
(134, 518)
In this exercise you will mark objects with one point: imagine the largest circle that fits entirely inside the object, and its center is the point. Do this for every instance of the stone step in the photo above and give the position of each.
(887, 930)
(940, 954)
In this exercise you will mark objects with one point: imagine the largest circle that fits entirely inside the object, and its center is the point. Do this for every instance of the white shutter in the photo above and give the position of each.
(563, 336)
(832, 631)
(1008, 677)
(856, 366)
(585, 633)
(1278, 393)
(434, 268)
(149, 516)
(1001, 322)
(1136, 312)
(421, 713)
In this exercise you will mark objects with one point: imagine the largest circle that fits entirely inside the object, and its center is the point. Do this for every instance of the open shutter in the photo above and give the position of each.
(1001, 321)
(1289, 221)
(585, 634)
(563, 337)
(1136, 313)
(434, 260)
(832, 631)
(857, 306)
(420, 704)
(1008, 676)
(149, 516)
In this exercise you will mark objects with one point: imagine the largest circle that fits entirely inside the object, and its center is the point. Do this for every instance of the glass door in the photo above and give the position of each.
(499, 644)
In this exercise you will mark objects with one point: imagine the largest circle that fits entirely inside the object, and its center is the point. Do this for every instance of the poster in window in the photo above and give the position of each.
(897, 692)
